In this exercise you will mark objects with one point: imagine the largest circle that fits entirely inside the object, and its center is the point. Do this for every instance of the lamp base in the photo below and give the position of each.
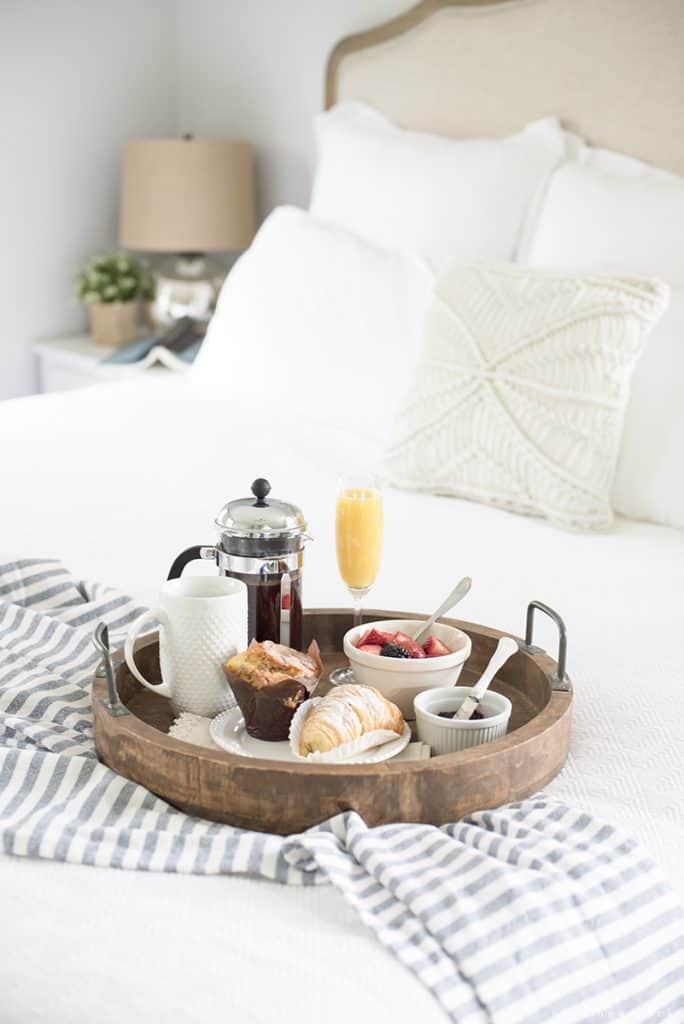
(186, 285)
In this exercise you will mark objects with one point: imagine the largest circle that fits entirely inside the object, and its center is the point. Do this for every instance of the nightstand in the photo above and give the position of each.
(74, 362)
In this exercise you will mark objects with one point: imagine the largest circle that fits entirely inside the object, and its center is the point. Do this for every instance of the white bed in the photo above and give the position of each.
(114, 516)
(116, 479)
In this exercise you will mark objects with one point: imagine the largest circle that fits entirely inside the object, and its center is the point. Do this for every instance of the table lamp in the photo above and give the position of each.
(189, 197)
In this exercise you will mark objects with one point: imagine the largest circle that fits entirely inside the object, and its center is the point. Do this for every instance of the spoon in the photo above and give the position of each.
(505, 648)
(456, 595)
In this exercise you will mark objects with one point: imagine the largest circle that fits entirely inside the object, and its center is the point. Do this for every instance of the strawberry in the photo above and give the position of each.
(434, 648)
(370, 648)
(375, 636)
(414, 649)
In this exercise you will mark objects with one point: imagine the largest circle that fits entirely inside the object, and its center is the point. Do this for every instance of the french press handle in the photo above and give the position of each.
(192, 554)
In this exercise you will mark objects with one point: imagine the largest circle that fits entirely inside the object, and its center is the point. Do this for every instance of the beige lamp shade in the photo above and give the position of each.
(186, 195)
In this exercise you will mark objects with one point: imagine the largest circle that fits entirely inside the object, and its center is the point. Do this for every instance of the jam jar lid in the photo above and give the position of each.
(257, 517)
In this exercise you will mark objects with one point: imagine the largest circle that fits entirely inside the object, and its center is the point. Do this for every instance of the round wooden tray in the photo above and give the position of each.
(285, 797)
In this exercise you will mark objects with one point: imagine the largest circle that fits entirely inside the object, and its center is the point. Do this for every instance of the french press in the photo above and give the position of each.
(262, 543)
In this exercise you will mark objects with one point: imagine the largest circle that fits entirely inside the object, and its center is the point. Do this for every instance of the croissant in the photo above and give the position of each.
(345, 714)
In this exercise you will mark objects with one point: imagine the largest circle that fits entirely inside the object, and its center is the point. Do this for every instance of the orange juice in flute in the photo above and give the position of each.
(358, 534)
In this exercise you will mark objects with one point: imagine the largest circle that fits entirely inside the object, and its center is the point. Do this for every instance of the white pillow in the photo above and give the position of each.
(446, 200)
(318, 319)
(611, 213)
(519, 395)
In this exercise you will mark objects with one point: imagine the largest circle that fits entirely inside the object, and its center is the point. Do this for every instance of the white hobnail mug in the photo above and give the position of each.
(202, 623)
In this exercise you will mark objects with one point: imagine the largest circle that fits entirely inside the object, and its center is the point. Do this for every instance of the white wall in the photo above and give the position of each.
(255, 70)
(77, 77)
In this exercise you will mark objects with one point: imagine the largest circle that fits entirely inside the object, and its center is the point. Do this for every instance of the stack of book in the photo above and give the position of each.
(176, 348)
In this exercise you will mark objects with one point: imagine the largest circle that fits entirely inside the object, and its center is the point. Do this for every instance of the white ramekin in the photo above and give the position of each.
(444, 735)
(401, 679)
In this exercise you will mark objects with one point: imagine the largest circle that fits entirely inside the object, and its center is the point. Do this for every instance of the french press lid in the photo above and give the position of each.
(259, 525)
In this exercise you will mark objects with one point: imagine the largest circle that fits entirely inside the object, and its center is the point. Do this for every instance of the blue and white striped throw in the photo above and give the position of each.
(534, 912)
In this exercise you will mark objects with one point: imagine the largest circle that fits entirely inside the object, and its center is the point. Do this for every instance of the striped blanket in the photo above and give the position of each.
(534, 912)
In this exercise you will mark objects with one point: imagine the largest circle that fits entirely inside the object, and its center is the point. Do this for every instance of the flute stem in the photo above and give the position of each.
(357, 598)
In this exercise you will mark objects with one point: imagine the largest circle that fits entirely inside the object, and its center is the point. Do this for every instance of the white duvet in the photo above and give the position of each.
(115, 480)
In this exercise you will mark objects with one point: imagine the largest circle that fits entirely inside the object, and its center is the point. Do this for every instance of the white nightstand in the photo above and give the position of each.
(74, 362)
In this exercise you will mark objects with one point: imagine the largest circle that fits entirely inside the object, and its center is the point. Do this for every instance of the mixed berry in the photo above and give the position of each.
(394, 651)
(399, 645)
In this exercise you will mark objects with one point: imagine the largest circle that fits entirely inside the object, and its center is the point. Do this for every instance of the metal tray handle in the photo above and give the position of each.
(560, 680)
(101, 640)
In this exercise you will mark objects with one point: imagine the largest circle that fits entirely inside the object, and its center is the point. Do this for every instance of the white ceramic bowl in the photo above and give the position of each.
(401, 679)
(444, 735)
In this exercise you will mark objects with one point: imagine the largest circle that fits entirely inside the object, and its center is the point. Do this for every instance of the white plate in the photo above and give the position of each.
(228, 731)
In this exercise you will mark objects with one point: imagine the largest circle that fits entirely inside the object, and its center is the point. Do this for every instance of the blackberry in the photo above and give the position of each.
(394, 651)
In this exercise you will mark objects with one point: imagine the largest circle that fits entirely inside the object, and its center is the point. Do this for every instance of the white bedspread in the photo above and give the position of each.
(151, 464)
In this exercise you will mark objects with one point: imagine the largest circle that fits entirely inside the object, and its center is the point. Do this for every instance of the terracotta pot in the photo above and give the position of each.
(114, 323)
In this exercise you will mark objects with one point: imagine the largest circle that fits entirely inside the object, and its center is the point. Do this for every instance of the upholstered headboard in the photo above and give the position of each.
(612, 70)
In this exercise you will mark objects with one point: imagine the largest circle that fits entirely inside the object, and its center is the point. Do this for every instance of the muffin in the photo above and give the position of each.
(270, 681)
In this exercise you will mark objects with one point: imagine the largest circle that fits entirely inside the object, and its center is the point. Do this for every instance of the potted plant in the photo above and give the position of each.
(112, 287)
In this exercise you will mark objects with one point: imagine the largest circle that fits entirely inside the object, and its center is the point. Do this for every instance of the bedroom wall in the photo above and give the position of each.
(76, 79)
(256, 69)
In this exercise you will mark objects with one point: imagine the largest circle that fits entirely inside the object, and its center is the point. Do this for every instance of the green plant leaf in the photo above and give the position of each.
(112, 277)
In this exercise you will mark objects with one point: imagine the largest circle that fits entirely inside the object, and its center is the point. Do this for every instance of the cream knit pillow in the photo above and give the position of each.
(519, 396)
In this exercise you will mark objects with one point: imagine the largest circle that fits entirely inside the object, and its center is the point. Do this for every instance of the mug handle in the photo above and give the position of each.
(163, 689)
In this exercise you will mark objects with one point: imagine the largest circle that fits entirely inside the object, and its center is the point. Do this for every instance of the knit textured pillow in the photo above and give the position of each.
(519, 396)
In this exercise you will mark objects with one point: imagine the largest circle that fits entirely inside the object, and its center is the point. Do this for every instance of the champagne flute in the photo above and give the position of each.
(358, 533)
